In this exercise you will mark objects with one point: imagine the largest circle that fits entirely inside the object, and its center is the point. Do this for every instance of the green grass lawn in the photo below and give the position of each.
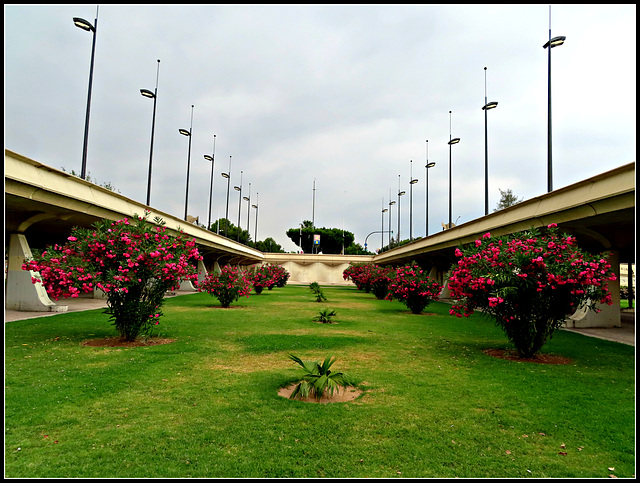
(206, 405)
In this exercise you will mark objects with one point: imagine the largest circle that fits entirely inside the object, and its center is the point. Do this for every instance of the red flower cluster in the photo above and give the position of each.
(407, 284)
(414, 288)
(268, 276)
(360, 275)
(227, 286)
(134, 262)
(528, 279)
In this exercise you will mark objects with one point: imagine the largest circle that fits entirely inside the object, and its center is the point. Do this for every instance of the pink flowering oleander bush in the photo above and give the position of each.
(227, 286)
(280, 274)
(359, 274)
(261, 278)
(411, 286)
(379, 279)
(134, 262)
(529, 282)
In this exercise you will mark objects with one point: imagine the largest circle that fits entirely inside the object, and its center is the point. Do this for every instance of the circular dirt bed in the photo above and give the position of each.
(342, 395)
(512, 355)
(119, 342)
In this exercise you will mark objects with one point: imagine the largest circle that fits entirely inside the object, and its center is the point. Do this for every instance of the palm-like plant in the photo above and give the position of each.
(325, 316)
(317, 291)
(318, 379)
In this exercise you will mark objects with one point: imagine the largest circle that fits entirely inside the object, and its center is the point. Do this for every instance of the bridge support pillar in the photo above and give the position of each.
(187, 285)
(609, 315)
(21, 293)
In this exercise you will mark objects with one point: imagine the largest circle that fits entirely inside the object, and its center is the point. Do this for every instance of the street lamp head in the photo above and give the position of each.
(489, 105)
(430, 165)
(400, 193)
(237, 188)
(454, 141)
(83, 24)
(254, 206)
(208, 158)
(246, 198)
(225, 175)
(147, 93)
(184, 132)
(554, 42)
(385, 210)
(413, 181)
(392, 203)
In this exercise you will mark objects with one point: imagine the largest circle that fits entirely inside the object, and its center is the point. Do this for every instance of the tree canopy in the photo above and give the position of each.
(507, 198)
(332, 240)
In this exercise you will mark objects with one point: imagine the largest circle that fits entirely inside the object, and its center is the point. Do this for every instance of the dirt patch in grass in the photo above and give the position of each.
(119, 342)
(343, 394)
(240, 362)
(512, 355)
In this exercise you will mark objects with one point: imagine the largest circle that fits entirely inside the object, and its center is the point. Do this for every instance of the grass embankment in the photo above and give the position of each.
(206, 405)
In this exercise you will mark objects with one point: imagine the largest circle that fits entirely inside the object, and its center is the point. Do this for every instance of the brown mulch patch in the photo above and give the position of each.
(512, 355)
(119, 342)
(342, 395)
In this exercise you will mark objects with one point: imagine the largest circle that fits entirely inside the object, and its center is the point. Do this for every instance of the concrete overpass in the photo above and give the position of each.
(599, 211)
(42, 204)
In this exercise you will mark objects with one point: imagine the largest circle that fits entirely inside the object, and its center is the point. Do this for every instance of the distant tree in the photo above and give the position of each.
(88, 178)
(507, 199)
(356, 249)
(332, 240)
(268, 245)
(224, 227)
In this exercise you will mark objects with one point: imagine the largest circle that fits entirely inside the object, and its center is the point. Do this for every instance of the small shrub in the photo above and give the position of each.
(261, 277)
(413, 288)
(227, 286)
(317, 291)
(379, 280)
(318, 379)
(325, 316)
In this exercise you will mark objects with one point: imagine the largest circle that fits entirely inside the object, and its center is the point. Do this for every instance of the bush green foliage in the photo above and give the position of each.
(529, 282)
(133, 262)
(318, 379)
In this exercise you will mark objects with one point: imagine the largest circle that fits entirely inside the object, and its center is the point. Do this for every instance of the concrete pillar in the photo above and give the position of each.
(21, 293)
(609, 315)
(187, 285)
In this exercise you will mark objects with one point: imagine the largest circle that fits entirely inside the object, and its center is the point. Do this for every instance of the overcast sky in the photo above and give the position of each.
(344, 95)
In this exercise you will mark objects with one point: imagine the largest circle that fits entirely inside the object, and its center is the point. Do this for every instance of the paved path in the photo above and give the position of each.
(625, 334)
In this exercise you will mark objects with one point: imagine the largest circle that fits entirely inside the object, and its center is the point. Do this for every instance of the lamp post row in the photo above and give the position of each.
(87, 26)
(552, 42)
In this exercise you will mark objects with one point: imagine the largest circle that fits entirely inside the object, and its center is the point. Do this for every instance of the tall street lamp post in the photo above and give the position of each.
(248, 200)
(391, 203)
(400, 193)
(239, 190)
(485, 108)
(384, 210)
(184, 132)
(450, 143)
(553, 42)
(84, 25)
(226, 213)
(426, 195)
(255, 234)
(412, 181)
(153, 95)
(212, 160)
